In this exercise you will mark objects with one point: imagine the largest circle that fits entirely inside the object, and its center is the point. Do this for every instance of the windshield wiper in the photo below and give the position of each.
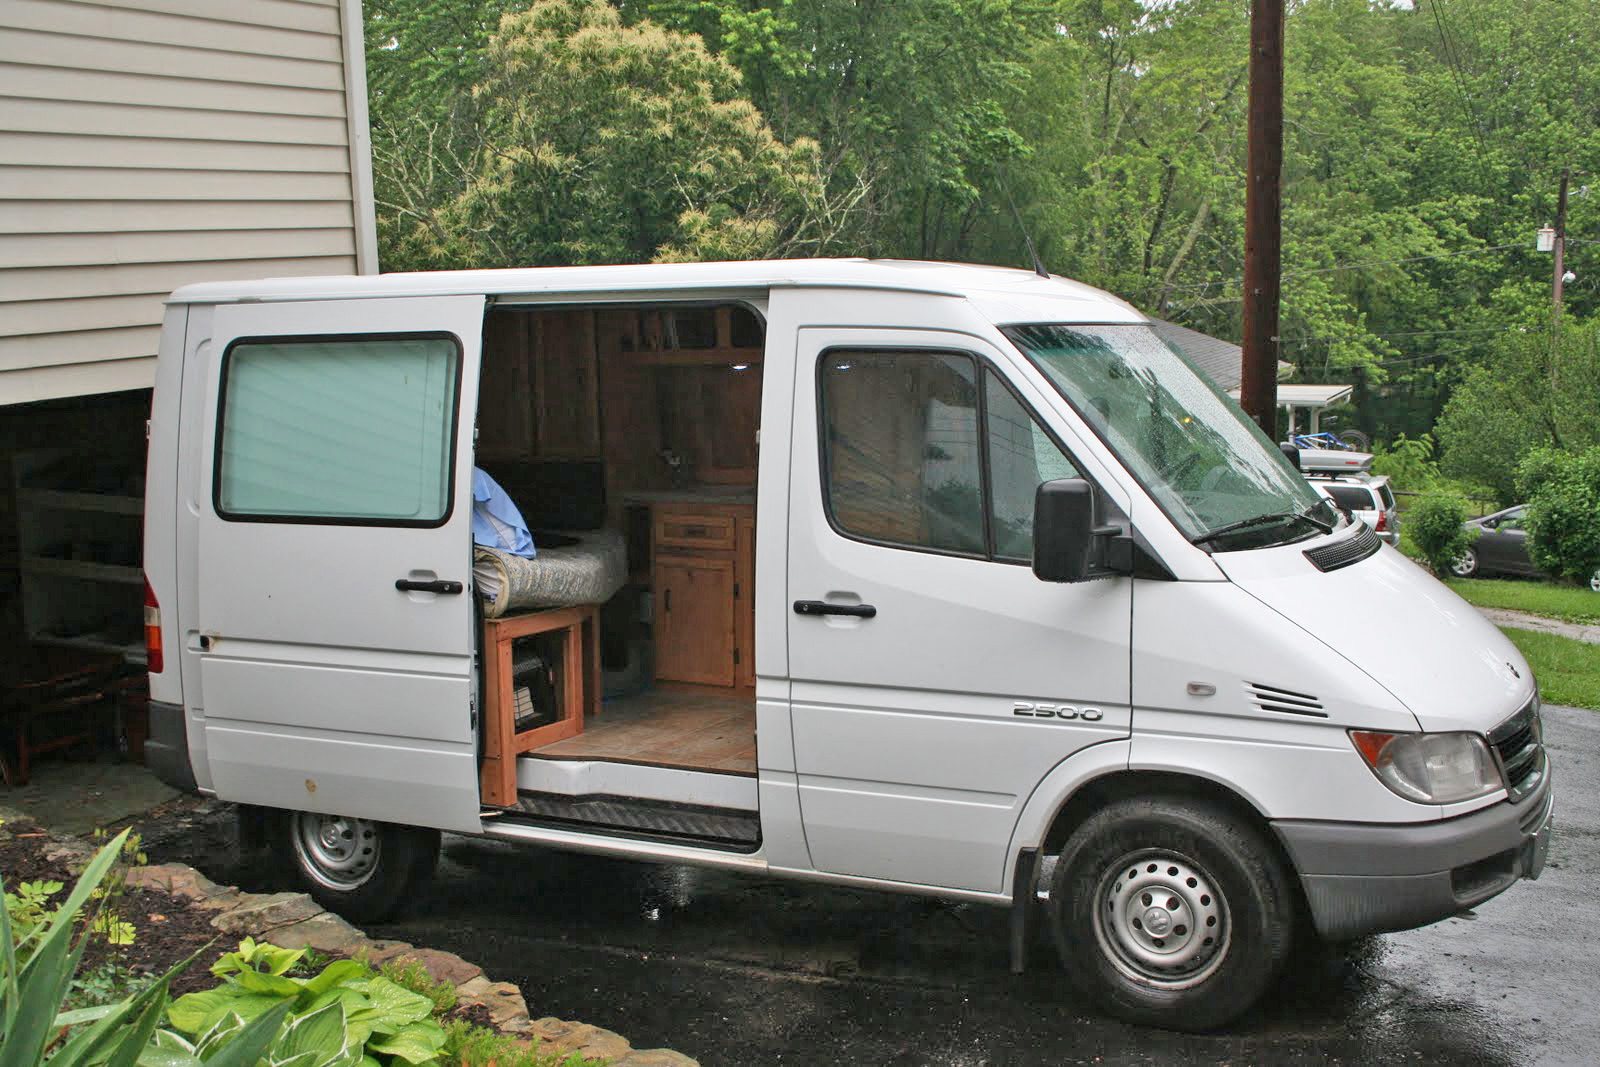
(1265, 520)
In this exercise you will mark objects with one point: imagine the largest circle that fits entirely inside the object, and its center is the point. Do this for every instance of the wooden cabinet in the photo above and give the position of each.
(694, 620)
(703, 567)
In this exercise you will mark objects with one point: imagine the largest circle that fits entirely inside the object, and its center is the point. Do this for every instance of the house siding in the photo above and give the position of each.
(147, 144)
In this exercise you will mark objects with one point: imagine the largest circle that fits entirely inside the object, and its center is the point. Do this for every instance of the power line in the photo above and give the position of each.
(1363, 265)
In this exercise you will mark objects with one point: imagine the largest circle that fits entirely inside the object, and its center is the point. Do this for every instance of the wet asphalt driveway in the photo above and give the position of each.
(737, 970)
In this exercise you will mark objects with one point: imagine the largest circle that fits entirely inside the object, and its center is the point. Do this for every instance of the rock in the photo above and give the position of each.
(592, 1042)
(377, 953)
(655, 1057)
(325, 933)
(179, 880)
(502, 999)
(443, 966)
(256, 915)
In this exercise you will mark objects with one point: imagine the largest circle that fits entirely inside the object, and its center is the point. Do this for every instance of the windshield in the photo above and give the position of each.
(1203, 460)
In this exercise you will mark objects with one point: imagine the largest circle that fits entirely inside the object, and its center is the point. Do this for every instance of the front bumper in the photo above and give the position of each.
(1361, 878)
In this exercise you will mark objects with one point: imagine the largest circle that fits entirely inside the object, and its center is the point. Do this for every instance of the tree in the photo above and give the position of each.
(598, 142)
(1531, 394)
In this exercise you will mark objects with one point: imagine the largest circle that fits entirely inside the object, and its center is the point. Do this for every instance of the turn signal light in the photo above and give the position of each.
(152, 630)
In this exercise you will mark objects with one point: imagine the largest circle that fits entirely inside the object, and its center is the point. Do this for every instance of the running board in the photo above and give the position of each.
(717, 827)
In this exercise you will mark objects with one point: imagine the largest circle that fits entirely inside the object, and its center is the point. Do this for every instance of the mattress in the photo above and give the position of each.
(589, 572)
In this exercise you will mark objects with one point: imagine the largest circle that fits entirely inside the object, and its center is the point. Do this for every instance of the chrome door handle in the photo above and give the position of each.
(822, 607)
(437, 585)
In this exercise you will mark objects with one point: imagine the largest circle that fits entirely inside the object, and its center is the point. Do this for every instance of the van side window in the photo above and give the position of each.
(906, 462)
(1021, 456)
(900, 432)
(342, 430)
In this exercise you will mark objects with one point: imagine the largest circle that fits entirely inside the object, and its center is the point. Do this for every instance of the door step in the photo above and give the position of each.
(721, 827)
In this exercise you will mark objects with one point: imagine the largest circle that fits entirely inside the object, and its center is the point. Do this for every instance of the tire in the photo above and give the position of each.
(1210, 884)
(1355, 440)
(1594, 581)
(1465, 565)
(364, 870)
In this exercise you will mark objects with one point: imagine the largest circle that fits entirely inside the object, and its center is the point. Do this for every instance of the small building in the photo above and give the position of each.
(145, 145)
(1223, 362)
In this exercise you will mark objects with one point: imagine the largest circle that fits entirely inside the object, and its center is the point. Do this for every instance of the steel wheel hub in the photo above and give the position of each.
(1160, 919)
(336, 851)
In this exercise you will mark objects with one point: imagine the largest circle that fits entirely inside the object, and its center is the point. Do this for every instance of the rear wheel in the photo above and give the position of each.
(1465, 565)
(1171, 912)
(364, 870)
(1355, 440)
(1594, 580)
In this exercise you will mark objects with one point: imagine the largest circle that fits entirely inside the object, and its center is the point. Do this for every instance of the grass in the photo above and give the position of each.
(1569, 603)
(1568, 670)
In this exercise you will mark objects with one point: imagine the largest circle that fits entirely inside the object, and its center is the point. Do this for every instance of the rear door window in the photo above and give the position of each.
(345, 430)
(1350, 497)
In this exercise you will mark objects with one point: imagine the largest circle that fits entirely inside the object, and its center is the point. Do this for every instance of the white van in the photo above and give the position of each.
(1006, 580)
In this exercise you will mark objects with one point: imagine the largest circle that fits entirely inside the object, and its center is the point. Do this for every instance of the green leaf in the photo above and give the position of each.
(194, 1013)
(84, 1015)
(153, 1056)
(416, 1043)
(249, 1044)
(257, 982)
(339, 972)
(322, 1031)
(396, 1006)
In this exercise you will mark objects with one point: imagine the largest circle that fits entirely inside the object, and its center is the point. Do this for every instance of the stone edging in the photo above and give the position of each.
(294, 920)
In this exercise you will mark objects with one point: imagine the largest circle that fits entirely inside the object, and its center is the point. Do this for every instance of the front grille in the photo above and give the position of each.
(1519, 744)
(1343, 553)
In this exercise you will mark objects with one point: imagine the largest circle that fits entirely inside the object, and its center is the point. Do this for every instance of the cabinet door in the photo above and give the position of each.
(744, 623)
(694, 620)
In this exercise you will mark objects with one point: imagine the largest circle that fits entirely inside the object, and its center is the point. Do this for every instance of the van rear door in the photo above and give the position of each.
(335, 542)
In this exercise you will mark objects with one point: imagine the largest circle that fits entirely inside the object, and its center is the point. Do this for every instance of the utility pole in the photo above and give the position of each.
(1561, 252)
(1258, 385)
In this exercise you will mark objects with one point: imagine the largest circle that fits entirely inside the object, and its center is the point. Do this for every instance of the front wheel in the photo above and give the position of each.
(1594, 580)
(1465, 565)
(1171, 913)
(364, 870)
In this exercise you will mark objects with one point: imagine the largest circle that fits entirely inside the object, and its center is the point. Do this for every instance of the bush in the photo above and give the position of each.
(1562, 490)
(1435, 525)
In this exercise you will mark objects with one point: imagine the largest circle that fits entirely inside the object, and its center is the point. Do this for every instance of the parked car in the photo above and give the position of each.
(1502, 548)
(1366, 497)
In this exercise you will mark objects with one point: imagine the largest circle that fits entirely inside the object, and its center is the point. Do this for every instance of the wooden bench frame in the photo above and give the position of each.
(577, 696)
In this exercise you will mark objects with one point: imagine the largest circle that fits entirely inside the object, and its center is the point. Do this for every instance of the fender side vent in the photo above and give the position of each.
(1343, 553)
(1271, 698)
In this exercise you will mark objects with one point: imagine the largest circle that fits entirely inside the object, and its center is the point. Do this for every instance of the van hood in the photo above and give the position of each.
(1390, 618)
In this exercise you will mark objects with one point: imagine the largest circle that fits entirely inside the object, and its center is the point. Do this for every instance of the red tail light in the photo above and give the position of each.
(152, 630)
(1383, 521)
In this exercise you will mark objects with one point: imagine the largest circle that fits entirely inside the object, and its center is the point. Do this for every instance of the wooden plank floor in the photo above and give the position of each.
(692, 729)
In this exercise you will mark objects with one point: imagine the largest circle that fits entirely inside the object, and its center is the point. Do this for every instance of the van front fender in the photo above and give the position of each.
(1056, 788)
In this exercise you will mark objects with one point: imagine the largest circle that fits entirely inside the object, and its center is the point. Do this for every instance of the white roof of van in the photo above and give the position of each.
(1006, 294)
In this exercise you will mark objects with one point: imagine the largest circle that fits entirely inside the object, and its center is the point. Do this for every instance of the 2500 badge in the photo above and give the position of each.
(1056, 711)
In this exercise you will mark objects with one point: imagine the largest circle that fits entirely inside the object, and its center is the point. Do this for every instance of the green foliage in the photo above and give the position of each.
(473, 1046)
(414, 977)
(375, 1016)
(1435, 525)
(36, 973)
(1532, 393)
(1562, 490)
(1408, 461)
(1568, 671)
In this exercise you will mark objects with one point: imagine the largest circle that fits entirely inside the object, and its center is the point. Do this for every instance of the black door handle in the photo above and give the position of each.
(822, 607)
(437, 585)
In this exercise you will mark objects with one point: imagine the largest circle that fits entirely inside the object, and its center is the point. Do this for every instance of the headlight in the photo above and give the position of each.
(1430, 768)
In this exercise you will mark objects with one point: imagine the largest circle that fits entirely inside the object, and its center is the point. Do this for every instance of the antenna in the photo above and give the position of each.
(1038, 264)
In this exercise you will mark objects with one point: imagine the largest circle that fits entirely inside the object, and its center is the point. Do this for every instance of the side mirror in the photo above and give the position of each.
(1063, 530)
(1292, 452)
